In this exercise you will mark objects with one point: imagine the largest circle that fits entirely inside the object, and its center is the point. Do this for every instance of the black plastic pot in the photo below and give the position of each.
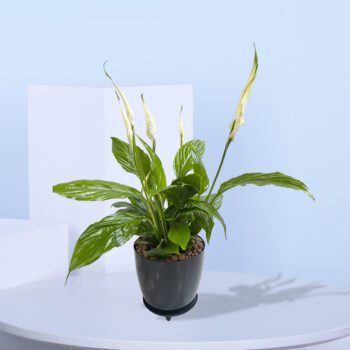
(169, 288)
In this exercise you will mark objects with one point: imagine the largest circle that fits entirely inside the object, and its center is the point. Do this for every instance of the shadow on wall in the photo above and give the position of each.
(269, 291)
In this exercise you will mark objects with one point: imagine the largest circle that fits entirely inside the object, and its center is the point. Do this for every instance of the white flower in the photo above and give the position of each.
(239, 116)
(128, 110)
(150, 123)
(128, 128)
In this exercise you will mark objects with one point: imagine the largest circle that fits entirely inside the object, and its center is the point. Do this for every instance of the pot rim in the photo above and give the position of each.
(177, 261)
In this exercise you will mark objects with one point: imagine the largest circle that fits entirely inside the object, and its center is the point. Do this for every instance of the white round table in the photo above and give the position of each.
(234, 311)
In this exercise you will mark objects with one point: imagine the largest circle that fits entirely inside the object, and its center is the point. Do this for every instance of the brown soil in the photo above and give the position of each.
(196, 250)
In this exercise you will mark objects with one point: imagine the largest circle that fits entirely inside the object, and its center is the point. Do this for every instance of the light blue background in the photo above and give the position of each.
(297, 120)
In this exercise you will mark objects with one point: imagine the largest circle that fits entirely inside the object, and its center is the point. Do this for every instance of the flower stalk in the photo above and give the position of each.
(181, 127)
(239, 117)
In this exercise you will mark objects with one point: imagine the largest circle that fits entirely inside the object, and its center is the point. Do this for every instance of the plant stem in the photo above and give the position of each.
(144, 186)
(220, 166)
(162, 220)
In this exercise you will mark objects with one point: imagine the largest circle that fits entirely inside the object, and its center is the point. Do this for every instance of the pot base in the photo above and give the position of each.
(170, 313)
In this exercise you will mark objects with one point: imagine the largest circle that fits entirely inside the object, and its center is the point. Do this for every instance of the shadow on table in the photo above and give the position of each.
(244, 296)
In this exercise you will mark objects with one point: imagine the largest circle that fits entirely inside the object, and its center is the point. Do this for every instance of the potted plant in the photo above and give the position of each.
(166, 218)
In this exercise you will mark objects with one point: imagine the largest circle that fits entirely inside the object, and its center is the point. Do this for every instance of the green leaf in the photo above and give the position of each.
(171, 248)
(179, 195)
(145, 229)
(137, 206)
(261, 179)
(210, 210)
(124, 155)
(95, 190)
(215, 200)
(191, 179)
(122, 152)
(110, 232)
(157, 170)
(202, 221)
(183, 161)
(199, 170)
(142, 163)
(159, 253)
(179, 234)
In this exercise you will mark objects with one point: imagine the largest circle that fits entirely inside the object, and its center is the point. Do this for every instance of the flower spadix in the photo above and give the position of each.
(239, 116)
(128, 110)
(150, 123)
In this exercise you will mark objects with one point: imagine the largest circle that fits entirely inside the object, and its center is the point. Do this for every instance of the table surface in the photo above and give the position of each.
(234, 311)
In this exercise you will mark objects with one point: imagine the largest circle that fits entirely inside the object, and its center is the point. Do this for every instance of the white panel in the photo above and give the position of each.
(69, 138)
(65, 129)
(31, 251)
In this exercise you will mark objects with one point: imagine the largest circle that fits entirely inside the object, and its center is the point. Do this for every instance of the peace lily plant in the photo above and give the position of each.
(165, 216)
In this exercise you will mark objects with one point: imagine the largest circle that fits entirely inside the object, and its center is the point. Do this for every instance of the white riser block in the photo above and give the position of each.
(31, 251)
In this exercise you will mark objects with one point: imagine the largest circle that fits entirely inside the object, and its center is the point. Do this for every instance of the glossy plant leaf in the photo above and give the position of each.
(179, 195)
(179, 234)
(191, 179)
(110, 232)
(145, 229)
(136, 206)
(171, 248)
(215, 200)
(95, 190)
(199, 170)
(159, 253)
(142, 163)
(202, 221)
(210, 210)
(183, 161)
(157, 170)
(122, 152)
(263, 179)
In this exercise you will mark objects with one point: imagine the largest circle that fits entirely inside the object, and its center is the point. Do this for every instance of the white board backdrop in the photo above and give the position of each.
(69, 130)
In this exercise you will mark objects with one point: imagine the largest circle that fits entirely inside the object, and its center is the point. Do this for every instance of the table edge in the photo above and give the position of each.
(294, 341)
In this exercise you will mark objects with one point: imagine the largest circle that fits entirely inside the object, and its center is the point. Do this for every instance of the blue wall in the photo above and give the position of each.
(297, 120)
